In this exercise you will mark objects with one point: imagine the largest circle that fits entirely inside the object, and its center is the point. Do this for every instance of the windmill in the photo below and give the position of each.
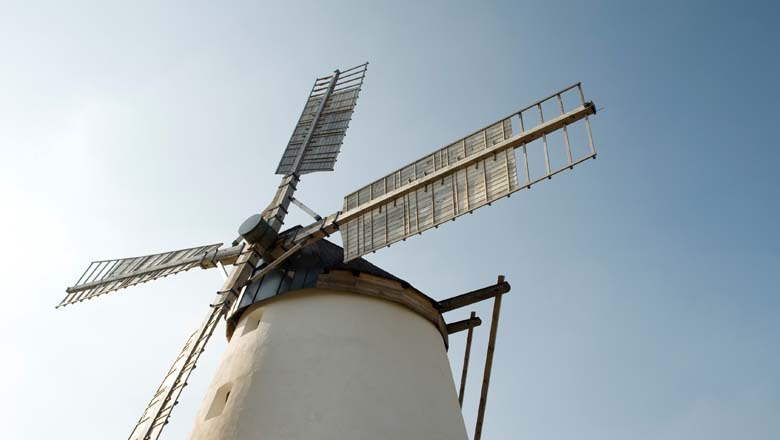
(275, 274)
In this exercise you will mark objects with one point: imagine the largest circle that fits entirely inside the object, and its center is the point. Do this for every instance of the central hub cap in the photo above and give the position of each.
(256, 230)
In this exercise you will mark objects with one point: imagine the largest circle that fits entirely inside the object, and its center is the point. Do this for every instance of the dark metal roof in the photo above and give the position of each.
(332, 258)
(301, 271)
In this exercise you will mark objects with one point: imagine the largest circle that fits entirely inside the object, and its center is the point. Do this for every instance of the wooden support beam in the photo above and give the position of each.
(227, 256)
(276, 211)
(478, 295)
(488, 363)
(466, 324)
(464, 374)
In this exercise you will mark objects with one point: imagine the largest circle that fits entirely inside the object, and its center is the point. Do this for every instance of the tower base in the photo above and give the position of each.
(324, 363)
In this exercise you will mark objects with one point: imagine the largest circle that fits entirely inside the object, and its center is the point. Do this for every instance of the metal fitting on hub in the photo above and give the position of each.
(256, 230)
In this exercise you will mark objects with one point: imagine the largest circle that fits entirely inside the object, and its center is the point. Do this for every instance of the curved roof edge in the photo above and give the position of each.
(302, 270)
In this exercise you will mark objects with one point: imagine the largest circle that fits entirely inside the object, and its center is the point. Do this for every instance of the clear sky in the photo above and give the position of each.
(645, 300)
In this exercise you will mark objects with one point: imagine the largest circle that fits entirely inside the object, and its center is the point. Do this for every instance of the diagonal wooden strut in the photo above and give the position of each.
(491, 348)
(305, 209)
(466, 356)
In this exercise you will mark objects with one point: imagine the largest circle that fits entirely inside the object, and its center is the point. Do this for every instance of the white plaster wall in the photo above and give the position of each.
(332, 365)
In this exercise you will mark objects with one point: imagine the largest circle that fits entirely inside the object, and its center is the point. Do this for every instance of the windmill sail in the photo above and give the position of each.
(106, 276)
(158, 411)
(317, 137)
(469, 173)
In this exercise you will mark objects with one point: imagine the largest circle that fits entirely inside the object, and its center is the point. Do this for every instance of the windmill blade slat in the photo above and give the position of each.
(325, 115)
(106, 276)
(317, 137)
(469, 173)
(442, 200)
(158, 411)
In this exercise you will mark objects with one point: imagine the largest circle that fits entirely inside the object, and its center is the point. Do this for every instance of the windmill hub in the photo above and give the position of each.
(256, 230)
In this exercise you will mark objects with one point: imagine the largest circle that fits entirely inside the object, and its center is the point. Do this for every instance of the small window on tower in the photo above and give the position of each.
(252, 321)
(220, 401)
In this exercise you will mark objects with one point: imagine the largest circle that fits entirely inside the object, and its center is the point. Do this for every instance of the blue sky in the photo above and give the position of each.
(644, 302)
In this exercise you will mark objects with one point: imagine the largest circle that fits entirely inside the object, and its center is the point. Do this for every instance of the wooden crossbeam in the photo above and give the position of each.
(475, 296)
(466, 324)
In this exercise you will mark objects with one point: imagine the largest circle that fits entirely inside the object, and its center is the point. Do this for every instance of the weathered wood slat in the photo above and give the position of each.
(106, 276)
(316, 140)
(473, 179)
(480, 169)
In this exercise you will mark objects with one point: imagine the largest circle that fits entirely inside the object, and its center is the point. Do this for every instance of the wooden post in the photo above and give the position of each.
(488, 363)
(466, 361)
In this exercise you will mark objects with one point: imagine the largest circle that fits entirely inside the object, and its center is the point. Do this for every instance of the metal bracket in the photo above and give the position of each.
(305, 208)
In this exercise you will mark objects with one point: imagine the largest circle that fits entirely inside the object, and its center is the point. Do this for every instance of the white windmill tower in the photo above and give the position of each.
(323, 344)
